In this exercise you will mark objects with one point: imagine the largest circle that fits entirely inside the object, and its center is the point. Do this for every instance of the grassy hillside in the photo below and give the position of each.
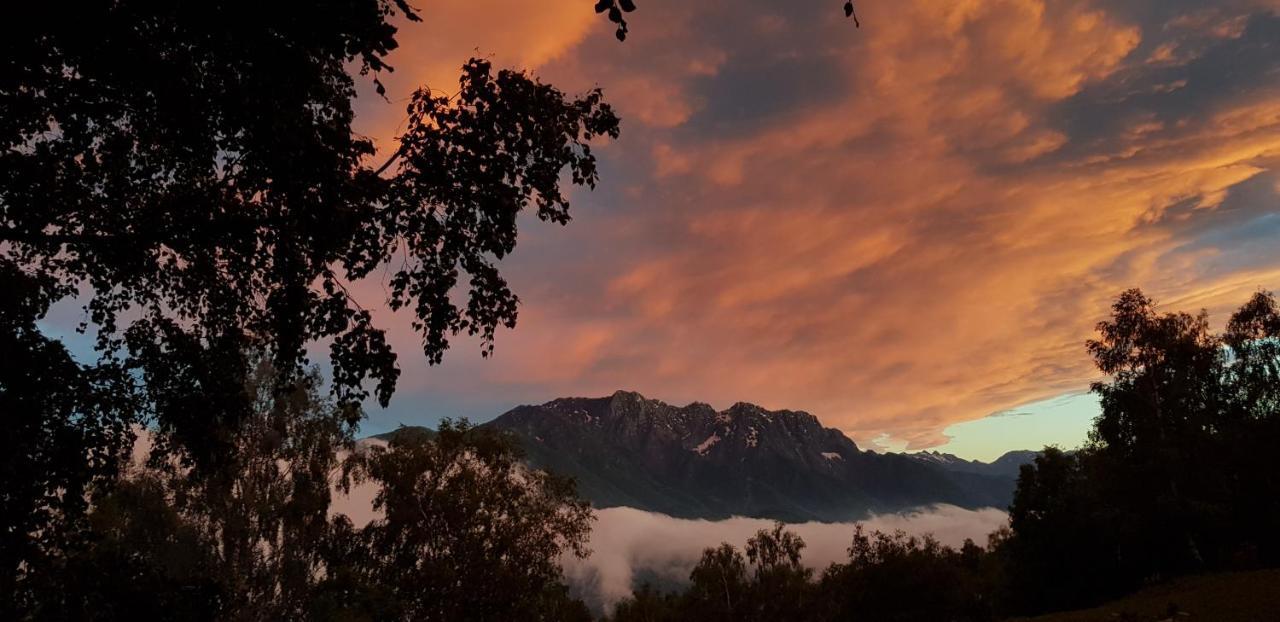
(1231, 597)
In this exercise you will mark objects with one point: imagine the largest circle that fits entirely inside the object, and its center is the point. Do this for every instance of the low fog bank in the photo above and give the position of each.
(627, 544)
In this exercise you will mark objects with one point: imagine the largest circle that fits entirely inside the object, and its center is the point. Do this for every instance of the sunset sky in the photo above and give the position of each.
(908, 229)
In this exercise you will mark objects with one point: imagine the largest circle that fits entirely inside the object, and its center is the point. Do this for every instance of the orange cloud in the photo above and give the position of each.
(896, 228)
(516, 34)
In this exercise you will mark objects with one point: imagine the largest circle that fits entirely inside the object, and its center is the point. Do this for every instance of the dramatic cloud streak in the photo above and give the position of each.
(896, 228)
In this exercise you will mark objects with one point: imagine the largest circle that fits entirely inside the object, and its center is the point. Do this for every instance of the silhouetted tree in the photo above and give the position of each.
(239, 537)
(65, 432)
(1250, 439)
(1161, 412)
(889, 577)
(719, 584)
(144, 559)
(649, 605)
(769, 583)
(1189, 421)
(188, 171)
(1065, 543)
(1180, 474)
(782, 584)
(895, 577)
(467, 532)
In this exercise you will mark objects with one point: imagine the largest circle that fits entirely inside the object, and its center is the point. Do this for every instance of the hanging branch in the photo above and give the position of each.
(848, 12)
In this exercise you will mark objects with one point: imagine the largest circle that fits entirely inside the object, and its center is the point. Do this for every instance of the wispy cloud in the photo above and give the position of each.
(896, 228)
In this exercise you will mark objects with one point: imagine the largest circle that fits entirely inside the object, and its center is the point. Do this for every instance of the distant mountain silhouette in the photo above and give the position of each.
(696, 462)
(1006, 465)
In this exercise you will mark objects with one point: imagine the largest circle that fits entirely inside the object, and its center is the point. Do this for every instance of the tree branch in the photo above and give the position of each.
(395, 156)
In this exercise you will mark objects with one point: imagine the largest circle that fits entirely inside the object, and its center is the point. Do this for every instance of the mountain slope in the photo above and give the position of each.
(695, 462)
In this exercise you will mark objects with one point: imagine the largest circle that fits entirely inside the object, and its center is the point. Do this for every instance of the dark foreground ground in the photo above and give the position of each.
(1232, 597)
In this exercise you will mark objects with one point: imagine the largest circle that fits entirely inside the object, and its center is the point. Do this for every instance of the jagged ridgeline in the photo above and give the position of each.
(696, 462)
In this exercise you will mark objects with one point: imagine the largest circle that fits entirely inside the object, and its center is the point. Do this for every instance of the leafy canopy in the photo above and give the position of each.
(190, 168)
(1181, 472)
(189, 172)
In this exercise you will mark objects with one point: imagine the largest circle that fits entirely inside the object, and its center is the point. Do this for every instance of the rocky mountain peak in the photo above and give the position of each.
(747, 460)
(697, 427)
(694, 461)
(627, 397)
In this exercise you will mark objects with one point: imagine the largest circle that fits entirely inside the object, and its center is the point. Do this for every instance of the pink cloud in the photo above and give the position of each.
(918, 235)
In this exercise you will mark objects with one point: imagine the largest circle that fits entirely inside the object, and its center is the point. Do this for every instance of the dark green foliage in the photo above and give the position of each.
(188, 172)
(768, 584)
(649, 605)
(467, 533)
(719, 585)
(66, 427)
(194, 163)
(240, 537)
(782, 586)
(147, 560)
(889, 577)
(895, 577)
(1182, 472)
(1063, 547)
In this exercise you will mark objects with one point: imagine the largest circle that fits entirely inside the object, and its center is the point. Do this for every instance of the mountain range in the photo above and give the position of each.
(696, 462)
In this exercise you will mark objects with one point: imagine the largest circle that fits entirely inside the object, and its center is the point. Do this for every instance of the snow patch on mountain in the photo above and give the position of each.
(706, 445)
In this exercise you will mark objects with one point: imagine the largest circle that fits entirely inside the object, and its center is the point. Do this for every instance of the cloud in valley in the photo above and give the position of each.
(627, 543)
